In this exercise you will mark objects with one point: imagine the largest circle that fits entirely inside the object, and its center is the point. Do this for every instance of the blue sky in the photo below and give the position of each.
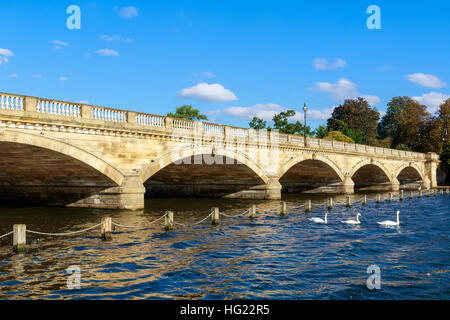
(231, 59)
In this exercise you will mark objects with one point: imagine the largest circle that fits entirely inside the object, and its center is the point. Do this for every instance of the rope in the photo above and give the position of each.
(194, 224)
(299, 207)
(63, 234)
(234, 216)
(7, 234)
(149, 224)
(319, 204)
(268, 210)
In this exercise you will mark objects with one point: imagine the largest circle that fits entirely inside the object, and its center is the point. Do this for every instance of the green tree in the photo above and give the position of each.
(431, 136)
(321, 131)
(403, 122)
(258, 123)
(445, 160)
(444, 116)
(281, 122)
(402, 146)
(357, 119)
(187, 112)
(338, 136)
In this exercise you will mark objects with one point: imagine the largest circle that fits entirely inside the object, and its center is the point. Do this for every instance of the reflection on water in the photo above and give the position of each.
(268, 257)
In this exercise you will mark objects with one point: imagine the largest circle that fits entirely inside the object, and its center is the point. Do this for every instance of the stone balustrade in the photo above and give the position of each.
(26, 105)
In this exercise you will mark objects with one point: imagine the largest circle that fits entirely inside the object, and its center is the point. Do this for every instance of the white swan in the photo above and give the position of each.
(353, 221)
(391, 223)
(320, 220)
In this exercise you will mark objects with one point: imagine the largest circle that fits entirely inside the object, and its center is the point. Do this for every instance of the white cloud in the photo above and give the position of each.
(268, 110)
(432, 100)
(14, 75)
(119, 38)
(58, 45)
(83, 101)
(36, 76)
(207, 92)
(426, 80)
(128, 12)
(108, 53)
(372, 100)
(341, 90)
(63, 79)
(323, 64)
(344, 89)
(5, 54)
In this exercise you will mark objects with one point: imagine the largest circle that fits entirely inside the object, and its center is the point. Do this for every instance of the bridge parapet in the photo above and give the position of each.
(40, 111)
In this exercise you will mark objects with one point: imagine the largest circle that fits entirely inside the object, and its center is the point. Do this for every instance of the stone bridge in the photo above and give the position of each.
(63, 153)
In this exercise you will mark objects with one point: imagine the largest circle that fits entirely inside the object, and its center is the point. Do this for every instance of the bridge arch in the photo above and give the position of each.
(410, 176)
(310, 156)
(410, 167)
(204, 171)
(66, 149)
(371, 174)
(179, 154)
(311, 173)
(370, 162)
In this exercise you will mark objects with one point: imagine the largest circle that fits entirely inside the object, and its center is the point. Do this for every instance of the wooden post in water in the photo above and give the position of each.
(390, 197)
(401, 195)
(428, 193)
(420, 194)
(441, 192)
(168, 221)
(330, 204)
(378, 198)
(435, 192)
(283, 208)
(19, 237)
(447, 191)
(308, 206)
(349, 202)
(364, 200)
(252, 211)
(411, 195)
(215, 216)
(106, 228)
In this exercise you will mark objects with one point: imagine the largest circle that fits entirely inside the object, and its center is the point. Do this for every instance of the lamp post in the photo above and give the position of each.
(305, 108)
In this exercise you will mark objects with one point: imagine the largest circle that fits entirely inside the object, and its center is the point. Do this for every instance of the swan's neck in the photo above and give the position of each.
(398, 217)
(326, 214)
(357, 218)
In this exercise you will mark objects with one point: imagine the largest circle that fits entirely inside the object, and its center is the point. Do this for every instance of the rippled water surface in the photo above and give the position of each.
(270, 257)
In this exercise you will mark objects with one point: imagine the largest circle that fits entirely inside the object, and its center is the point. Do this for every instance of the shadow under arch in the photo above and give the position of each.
(36, 169)
(409, 176)
(204, 171)
(371, 175)
(311, 173)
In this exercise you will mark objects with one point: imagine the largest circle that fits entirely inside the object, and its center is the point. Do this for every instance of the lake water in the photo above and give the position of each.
(270, 257)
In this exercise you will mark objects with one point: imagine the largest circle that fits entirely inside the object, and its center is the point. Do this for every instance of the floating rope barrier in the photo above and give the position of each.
(201, 221)
(298, 207)
(319, 204)
(269, 210)
(20, 231)
(63, 234)
(142, 226)
(234, 216)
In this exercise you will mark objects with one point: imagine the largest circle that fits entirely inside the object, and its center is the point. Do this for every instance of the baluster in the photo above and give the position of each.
(1, 102)
(7, 102)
